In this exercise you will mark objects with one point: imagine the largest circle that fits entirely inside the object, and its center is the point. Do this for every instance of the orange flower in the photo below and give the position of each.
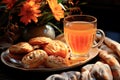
(35, 0)
(30, 11)
(9, 3)
(56, 9)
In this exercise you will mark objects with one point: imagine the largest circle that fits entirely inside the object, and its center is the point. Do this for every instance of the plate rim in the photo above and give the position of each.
(42, 69)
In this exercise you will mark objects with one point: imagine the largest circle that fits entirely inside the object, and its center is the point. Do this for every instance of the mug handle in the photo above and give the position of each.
(101, 32)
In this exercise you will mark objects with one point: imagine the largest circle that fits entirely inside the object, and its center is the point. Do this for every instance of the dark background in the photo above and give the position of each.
(108, 15)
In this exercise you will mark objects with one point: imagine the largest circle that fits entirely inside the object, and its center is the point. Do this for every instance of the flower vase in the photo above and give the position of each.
(39, 31)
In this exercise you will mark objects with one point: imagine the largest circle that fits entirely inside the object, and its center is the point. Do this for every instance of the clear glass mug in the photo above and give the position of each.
(80, 32)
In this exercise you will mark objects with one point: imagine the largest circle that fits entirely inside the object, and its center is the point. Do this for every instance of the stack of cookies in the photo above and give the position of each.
(41, 52)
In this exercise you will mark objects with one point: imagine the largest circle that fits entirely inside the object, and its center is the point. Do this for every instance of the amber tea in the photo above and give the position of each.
(79, 33)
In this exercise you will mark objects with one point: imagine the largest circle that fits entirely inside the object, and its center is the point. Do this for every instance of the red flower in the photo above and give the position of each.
(9, 3)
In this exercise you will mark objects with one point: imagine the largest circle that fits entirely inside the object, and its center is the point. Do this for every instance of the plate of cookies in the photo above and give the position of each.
(42, 54)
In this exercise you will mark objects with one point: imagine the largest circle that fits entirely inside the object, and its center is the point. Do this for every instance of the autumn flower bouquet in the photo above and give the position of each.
(29, 11)
(17, 14)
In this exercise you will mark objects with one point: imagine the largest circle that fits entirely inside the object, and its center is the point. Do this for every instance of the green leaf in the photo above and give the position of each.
(55, 27)
(59, 1)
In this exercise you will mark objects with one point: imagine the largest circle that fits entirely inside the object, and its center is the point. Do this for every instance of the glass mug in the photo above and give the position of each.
(80, 32)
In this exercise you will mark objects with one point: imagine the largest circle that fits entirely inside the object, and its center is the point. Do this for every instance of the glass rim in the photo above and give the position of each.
(90, 16)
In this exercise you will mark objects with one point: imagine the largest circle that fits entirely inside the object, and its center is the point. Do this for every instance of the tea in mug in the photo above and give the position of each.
(80, 36)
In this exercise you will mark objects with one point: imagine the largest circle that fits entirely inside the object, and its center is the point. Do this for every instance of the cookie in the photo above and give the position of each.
(20, 48)
(57, 48)
(40, 40)
(34, 59)
(56, 62)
